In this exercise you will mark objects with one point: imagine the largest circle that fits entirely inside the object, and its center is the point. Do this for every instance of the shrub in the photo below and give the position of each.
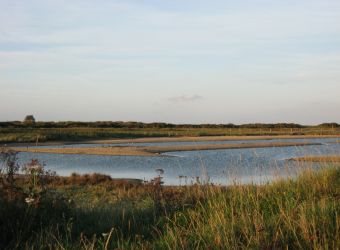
(28, 208)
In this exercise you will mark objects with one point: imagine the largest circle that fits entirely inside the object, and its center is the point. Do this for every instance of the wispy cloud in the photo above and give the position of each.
(228, 51)
(185, 98)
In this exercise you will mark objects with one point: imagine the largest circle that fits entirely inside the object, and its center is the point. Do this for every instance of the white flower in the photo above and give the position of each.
(35, 168)
(29, 200)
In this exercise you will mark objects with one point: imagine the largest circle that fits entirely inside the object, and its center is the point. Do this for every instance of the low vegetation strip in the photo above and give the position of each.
(155, 150)
(318, 158)
(36, 133)
(119, 151)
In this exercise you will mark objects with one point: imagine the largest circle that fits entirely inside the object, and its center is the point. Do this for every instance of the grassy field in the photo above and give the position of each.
(95, 212)
(8, 135)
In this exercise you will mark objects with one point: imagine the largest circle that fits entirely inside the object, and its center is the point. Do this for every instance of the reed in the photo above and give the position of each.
(297, 214)
(300, 213)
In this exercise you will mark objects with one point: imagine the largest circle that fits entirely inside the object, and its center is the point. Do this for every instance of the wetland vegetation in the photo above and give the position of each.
(78, 131)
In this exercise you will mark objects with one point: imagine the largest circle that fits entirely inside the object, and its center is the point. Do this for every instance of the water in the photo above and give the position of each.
(218, 166)
(318, 140)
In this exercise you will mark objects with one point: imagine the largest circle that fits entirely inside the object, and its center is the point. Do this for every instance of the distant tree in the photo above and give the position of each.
(329, 125)
(29, 119)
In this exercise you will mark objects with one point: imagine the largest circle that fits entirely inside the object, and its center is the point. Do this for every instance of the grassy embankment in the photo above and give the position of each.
(27, 134)
(93, 212)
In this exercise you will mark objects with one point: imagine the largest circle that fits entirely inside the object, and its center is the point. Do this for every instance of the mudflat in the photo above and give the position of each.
(155, 150)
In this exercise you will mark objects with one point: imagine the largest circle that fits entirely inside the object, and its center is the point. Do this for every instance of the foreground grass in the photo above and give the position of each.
(294, 214)
(301, 214)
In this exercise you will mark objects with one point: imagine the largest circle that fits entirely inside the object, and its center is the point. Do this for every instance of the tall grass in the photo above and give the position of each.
(290, 214)
(299, 214)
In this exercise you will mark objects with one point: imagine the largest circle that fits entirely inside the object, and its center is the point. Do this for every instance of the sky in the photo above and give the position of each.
(178, 61)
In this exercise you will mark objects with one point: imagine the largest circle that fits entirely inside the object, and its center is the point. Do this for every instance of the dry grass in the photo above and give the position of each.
(301, 214)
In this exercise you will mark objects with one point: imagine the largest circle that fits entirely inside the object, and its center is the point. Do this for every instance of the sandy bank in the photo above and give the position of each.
(156, 150)
(164, 149)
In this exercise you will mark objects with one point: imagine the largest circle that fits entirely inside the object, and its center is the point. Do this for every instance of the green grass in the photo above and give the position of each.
(288, 214)
(302, 214)
(8, 135)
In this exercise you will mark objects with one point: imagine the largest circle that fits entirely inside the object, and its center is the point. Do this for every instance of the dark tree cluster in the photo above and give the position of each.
(30, 122)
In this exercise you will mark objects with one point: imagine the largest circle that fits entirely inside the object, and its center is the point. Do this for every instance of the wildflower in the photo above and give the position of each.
(29, 200)
(36, 168)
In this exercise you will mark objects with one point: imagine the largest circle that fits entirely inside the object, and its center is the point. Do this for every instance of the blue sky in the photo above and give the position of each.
(180, 61)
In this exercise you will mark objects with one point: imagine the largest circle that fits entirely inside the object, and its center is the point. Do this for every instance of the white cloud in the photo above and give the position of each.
(185, 98)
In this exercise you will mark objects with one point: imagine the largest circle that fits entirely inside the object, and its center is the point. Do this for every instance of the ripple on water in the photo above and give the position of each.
(221, 166)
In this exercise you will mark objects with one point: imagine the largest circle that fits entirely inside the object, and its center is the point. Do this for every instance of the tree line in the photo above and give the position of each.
(154, 125)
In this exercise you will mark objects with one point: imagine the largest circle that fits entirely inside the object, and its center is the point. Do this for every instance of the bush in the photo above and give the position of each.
(29, 208)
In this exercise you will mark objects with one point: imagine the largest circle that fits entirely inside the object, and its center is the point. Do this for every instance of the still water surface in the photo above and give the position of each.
(225, 166)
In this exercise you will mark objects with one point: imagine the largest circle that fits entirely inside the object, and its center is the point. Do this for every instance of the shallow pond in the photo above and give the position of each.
(225, 166)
